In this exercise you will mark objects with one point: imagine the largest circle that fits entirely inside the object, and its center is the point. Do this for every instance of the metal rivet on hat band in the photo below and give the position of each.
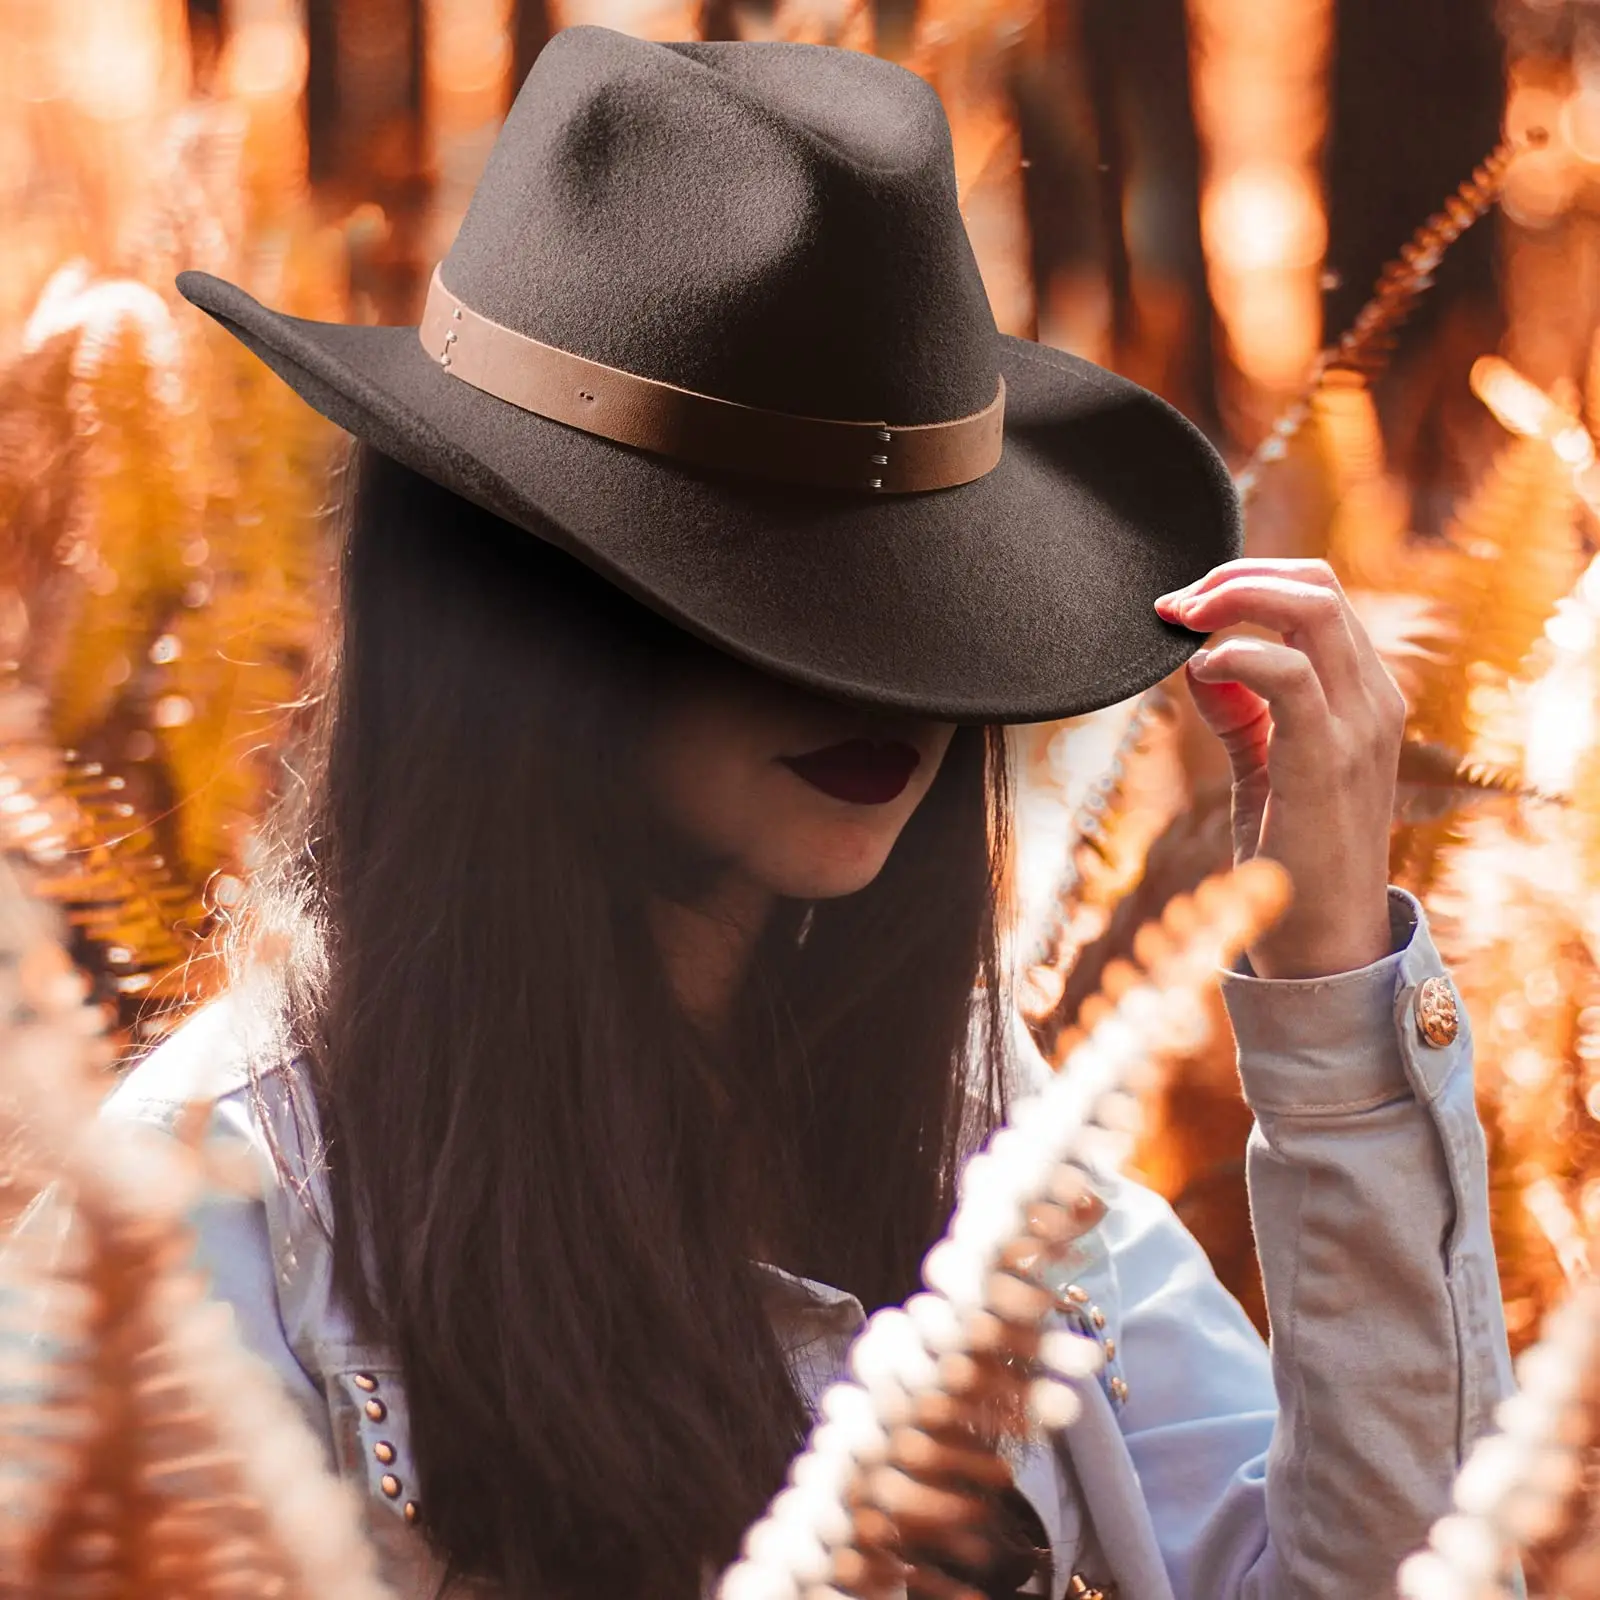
(701, 429)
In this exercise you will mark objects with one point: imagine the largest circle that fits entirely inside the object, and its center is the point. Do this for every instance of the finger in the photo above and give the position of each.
(1299, 568)
(1238, 716)
(1278, 674)
(1310, 617)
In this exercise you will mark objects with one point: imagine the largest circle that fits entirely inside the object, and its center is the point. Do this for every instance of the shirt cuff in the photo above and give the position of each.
(1324, 1046)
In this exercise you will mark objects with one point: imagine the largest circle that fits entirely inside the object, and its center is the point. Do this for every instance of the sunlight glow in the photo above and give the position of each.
(1260, 105)
(266, 60)
(1524, 408)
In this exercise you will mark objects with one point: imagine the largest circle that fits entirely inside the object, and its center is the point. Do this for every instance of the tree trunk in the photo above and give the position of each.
(530, 32)
(368, 135)
(205, 41)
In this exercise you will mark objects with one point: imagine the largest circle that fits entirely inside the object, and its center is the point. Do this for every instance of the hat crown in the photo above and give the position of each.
(773, 224)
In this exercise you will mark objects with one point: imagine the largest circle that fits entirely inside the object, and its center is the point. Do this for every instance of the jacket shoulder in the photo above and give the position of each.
(205, 1059)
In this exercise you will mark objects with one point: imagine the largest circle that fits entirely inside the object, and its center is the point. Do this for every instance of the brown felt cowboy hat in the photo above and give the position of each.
(713, 324)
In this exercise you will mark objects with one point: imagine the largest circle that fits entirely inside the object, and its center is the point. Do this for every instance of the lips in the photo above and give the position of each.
(862, 772)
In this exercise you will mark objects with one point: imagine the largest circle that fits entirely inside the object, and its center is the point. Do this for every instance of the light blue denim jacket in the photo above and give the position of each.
(1203, 1467)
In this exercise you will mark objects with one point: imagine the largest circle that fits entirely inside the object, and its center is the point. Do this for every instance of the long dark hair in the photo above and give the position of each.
(547, 1187)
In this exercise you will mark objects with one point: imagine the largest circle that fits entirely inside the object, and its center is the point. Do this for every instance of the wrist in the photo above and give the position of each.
(1319, 950)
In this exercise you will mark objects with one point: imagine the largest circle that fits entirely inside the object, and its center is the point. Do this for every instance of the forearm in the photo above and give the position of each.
(1369, 1198)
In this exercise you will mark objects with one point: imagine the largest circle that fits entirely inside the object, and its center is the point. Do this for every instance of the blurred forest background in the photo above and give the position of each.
(1200, 193)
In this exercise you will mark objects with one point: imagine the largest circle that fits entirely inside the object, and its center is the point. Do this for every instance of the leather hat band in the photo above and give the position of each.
(699, 428)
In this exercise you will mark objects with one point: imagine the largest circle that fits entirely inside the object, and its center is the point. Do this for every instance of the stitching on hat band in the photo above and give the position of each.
(700, 429)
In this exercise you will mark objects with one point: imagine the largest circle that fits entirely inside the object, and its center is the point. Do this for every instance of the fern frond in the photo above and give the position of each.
(1514, 552)
(163, 562)
(1509, 906)
(135, 509)
(1104, 844)
(1408, 626)
(39, 452)
(1517, 552)
(85, 847)
(1194, 845)
(1365, 345)
(1435, 782)
(152, 1454)
(1367, 528)
(237, 659)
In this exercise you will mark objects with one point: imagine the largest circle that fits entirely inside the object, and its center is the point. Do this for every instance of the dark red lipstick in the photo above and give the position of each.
(863, 772)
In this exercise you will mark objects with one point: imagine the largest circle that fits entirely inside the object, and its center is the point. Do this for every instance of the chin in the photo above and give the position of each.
(835, 886)
(841, 864)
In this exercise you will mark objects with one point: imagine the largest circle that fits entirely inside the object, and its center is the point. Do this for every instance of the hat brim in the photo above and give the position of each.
(1023, 596)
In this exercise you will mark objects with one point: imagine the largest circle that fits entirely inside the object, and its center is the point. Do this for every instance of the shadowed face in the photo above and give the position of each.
(800, 795)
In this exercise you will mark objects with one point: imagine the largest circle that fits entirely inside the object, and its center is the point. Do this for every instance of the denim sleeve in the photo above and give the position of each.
(1369, 1198)
(232, 1240)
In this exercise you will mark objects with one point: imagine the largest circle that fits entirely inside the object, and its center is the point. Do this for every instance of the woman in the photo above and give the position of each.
(620, 1048)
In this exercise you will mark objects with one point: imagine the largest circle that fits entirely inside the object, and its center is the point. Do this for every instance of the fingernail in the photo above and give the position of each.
(1198, 660)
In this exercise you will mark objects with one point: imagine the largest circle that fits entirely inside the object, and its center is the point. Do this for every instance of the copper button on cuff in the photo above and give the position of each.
(1438, 1020)
(390, 1485)
(376, 1410)
(411, 1510)
(365, 1380)
(384, 1451)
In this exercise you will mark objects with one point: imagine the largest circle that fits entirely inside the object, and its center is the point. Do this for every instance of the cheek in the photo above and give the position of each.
(752, 816)
(718, 783)
(802, 844)
(811, 853)
(708, 788)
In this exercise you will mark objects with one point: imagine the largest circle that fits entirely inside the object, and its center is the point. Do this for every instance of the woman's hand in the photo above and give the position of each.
(1312, 727)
